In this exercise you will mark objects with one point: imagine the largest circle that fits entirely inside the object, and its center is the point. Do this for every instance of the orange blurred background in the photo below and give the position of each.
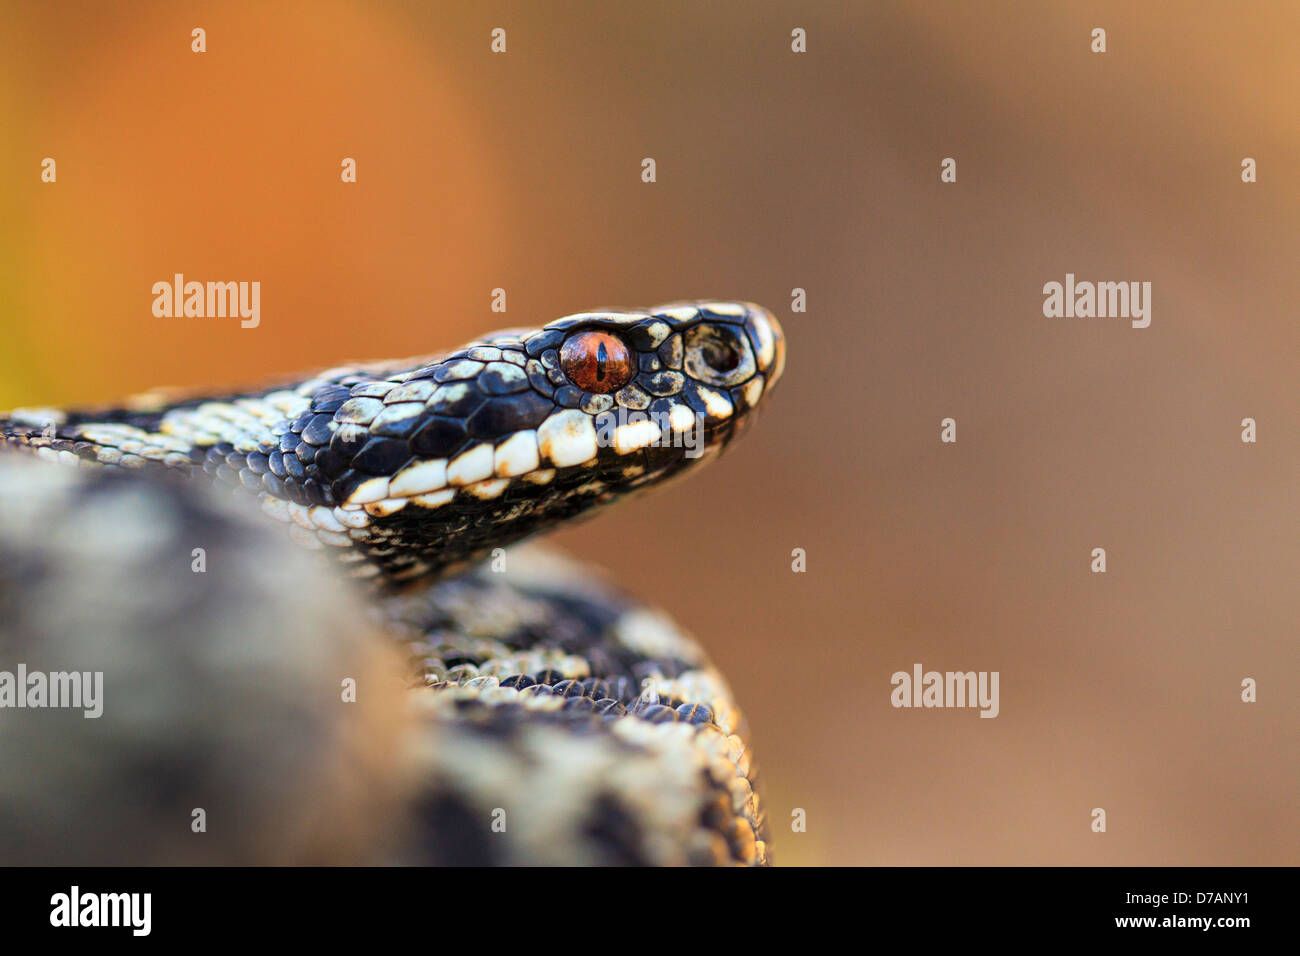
(779, 170)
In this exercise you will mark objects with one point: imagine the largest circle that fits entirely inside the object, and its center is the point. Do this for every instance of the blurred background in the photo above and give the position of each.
(778, 171)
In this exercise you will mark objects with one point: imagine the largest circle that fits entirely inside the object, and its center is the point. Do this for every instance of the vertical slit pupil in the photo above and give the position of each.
(602, 356)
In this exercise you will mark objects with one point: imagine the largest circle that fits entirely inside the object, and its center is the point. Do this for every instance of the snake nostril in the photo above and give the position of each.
(720, 355)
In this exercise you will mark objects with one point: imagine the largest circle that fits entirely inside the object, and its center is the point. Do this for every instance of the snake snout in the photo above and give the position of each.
(737, 349)
(768, 339)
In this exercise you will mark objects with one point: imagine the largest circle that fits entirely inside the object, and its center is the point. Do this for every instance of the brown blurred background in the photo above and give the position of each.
(779, 170)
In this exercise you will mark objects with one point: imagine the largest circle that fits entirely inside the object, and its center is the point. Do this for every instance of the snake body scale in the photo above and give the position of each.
(556, 719)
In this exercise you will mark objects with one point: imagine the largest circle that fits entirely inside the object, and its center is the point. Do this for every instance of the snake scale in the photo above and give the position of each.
(550, 718)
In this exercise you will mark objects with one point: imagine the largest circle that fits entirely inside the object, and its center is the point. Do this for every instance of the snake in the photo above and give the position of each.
(545, 717)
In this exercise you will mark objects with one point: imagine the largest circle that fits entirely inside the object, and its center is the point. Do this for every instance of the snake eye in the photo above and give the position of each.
(596, 362)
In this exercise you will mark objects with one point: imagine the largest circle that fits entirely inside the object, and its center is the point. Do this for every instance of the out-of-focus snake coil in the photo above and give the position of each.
(252, 702)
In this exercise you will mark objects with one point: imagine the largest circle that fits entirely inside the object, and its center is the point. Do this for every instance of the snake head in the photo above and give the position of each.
(427, 466)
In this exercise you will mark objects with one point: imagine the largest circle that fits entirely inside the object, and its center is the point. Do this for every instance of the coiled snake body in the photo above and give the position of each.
(557, 720)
